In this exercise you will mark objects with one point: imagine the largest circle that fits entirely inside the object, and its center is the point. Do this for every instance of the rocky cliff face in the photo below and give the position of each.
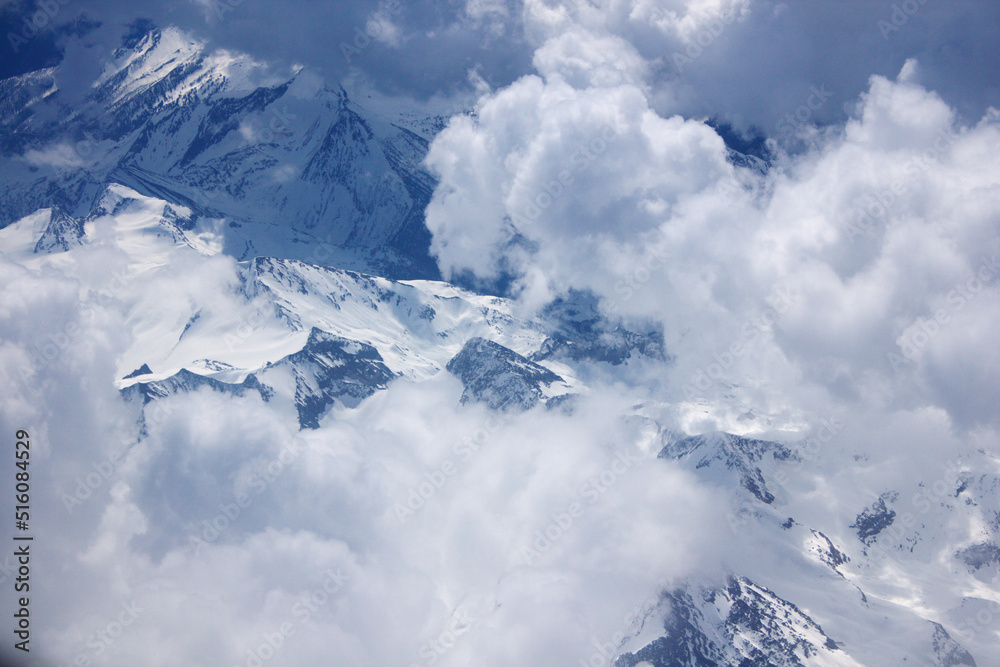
(293, 165)
(499, 377)
(324, 295)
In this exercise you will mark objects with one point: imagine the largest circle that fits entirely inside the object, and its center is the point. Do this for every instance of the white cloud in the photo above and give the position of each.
(582, 59)
(59, 156)
(572, 180)
(857, 278)
(383, 30)
(217, 528)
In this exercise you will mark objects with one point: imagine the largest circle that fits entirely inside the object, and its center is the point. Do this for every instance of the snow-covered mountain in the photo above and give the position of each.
(313, 337)
(291, 163)
(735, 625)
(841, 572)
(308, 210)
(320, 332)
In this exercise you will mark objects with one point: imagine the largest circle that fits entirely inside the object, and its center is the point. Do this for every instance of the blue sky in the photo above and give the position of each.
(853, 280)
(748, 73)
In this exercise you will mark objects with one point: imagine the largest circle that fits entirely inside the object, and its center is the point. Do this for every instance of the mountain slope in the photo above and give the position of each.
(265, 238)
(293, 165)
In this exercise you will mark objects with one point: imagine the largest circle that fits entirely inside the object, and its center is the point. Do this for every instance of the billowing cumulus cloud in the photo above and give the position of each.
(750, 62)
(409, 530)
(419, 49)
(392, 533)
(849, 288)
(846, 261)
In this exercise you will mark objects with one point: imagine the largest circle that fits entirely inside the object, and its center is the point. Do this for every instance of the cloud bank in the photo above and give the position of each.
(855, 278)
(409, 531)
(750, 62)
(862, 266)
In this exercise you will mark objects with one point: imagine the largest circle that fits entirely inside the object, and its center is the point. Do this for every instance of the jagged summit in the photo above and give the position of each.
(320, 294)
(291, 163)
(139, 372)
(501, 378)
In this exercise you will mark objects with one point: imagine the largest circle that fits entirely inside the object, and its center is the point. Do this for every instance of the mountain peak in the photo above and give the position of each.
(499, 377)
(139, 372)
